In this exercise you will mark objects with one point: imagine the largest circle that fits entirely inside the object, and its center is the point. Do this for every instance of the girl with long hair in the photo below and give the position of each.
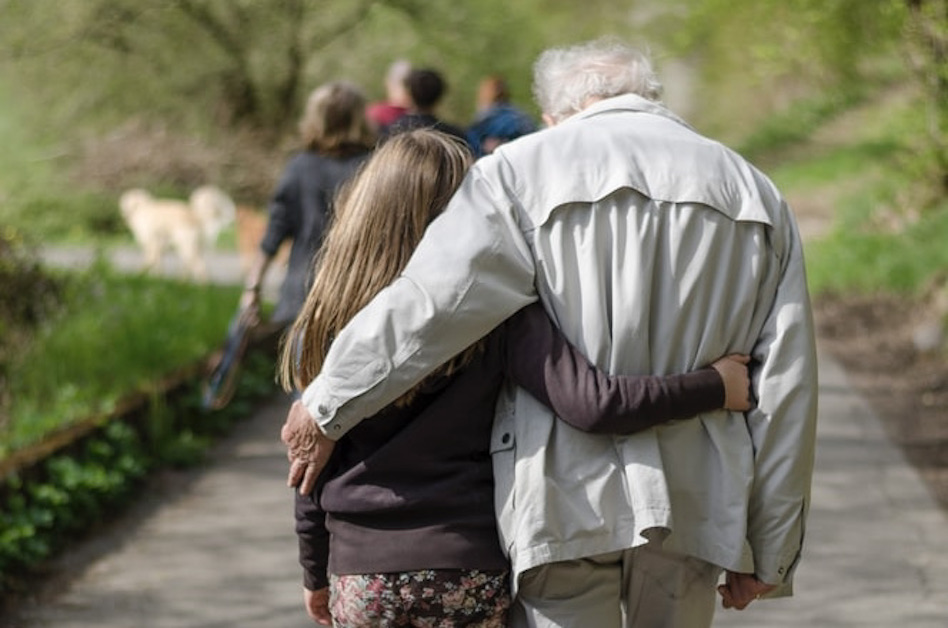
(400, 529)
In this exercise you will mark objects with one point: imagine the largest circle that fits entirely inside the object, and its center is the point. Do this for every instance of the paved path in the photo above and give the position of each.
(219, 549)
(877, 543)
(214, 548)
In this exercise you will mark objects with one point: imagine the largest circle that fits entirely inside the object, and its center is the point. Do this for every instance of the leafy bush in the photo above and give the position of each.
(27, 295)
(44, 508)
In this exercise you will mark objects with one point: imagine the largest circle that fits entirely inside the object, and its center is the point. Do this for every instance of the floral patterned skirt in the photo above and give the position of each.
(431, 598)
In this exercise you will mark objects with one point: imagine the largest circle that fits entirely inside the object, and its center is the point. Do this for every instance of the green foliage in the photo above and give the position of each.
(27, 295)
(851, 162)
(861, 166)
(43, 510)
(831, 41)
(927, 35)
(27, 292)
(76, 490)
(82, 216)
(856, 259)
(245, 63)
(116, 334)
(797, 123)
(755, 58)
(170, 438)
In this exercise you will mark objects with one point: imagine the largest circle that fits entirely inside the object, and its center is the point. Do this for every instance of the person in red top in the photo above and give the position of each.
(397, 98)
(401, 528)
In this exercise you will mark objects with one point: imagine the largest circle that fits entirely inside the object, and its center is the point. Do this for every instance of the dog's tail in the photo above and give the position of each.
(214, 209)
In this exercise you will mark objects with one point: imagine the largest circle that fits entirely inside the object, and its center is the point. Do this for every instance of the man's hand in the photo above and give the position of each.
(317, 605)
(308, 449)
(740, 589)
(249, 306)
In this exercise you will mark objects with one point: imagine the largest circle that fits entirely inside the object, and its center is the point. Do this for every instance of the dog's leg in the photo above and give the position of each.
(189, 244)
(198, 269)
(152, 255)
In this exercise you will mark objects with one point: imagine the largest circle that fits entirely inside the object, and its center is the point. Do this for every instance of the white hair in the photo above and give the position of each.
(566, 79)
(398, 72)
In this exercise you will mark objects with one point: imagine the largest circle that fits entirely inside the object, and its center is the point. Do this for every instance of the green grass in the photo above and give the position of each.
(869, 173)
(797, 123)
(857, 259)
(116, 334)
(848, 162)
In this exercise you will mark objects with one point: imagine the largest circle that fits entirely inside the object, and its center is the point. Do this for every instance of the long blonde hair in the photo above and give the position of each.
(380, 217)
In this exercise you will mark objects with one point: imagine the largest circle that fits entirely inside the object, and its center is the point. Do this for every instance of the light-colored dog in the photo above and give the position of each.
(187, 227)
(215, 210)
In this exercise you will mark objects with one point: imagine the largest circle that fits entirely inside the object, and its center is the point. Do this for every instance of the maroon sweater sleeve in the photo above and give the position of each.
(541, 360)
(313, 541)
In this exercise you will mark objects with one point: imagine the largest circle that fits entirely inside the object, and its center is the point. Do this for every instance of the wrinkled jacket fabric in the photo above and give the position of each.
(655, 250)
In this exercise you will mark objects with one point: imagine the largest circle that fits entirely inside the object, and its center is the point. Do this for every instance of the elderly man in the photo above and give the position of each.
(656, 250)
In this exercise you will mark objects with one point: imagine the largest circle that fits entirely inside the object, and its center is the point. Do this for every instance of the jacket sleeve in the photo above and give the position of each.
(281, 221)
(313, 542)
(783, 425)
(471, 271)
(541, 360)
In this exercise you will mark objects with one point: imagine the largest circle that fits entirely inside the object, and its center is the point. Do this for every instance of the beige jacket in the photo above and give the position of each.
(656, 250)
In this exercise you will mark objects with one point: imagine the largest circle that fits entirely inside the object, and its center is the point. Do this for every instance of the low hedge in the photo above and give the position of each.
(53, 501)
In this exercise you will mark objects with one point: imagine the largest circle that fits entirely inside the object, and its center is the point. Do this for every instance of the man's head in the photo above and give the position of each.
(567, 80)
(426, 88)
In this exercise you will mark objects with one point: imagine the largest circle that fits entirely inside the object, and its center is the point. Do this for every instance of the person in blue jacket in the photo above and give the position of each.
(498, 121)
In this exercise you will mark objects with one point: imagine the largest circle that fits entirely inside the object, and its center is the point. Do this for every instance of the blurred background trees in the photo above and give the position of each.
(175, 93)
(112, 79)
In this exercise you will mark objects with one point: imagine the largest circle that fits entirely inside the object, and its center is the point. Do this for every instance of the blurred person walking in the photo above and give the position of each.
(426, 87)
(397, 99)
(336, 140)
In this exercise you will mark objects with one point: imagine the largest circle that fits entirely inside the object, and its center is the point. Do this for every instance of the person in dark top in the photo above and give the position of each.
(426, 87)
(401, 525)
(337, 139)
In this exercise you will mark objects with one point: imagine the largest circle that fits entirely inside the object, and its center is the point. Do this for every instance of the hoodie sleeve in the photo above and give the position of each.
(313, 541)
(543, 362)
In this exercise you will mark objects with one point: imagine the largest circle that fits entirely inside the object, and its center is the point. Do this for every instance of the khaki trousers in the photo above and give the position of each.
(644, 587)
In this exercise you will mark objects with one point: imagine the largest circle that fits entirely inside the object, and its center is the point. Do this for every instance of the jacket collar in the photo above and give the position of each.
(628, 102)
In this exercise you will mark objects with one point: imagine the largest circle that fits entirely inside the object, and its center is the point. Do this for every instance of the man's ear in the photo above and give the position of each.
(548, 119)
